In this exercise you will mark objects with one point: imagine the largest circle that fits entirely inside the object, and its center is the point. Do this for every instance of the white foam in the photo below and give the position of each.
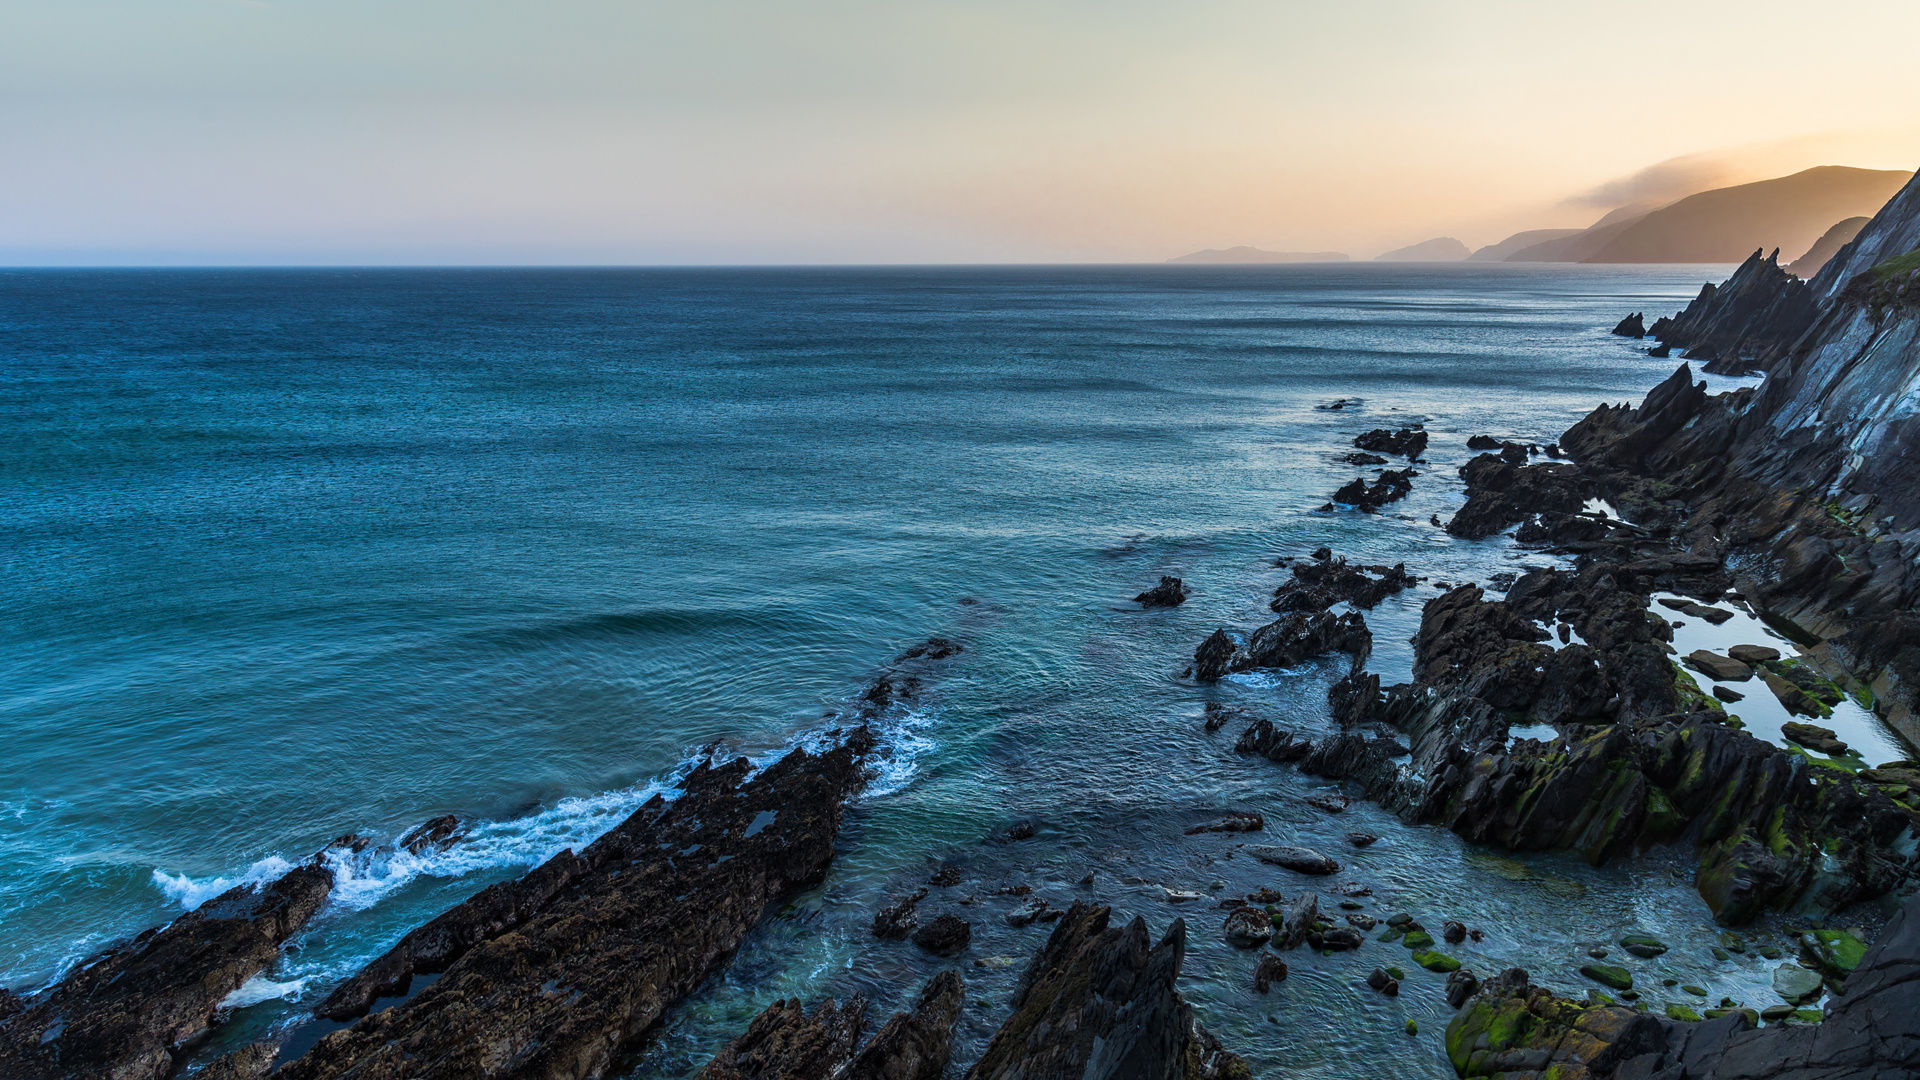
(190, 892)
(1264, 678)
(259, 989)
(362, 879)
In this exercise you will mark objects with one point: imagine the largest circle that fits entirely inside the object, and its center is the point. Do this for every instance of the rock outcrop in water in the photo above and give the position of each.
(125, 1013)
(786, 1043)
(550, 975)
(1871, 1030)
(1746, 323)
(1407, 442)
(1099, 1003)
(1318, 584)
(1286, 642)
(1171, 592)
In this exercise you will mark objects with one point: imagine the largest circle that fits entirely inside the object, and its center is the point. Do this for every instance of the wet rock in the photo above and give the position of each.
(1033, 909)
(250, 1062)
(1631, 326)
(1361, 459)
(1217, 715)
(1340, 939)
(1406, 442)
(934, 648)
(945, 877)
(1813, 737)
(1453, 931)
(786, 1043)
(1461, 985)
(1298, 859)
(1019, 830)
(1271, 969)
(1644, 947)
(1416, 937)
(124, 1012)
(628, 925)
(1214, 658)
(1298, 922)
(1390, 486)
(1169, 593)
(947, 935)
(1332, 804)
(897, 920)
(1320, 584)
(1436, 961)
(1361, 839)
(1383, 982)
(1248, 928)
(1611, 976)
(1796, 984)
(1362, 922)
(1722, 668)
(1727, 694)
(1501, 494)
(1101, 1002)
(1294, 639)
(913, 1044)
(1837, 952)
(1238, 821)
(429, 836)
(1754, 654)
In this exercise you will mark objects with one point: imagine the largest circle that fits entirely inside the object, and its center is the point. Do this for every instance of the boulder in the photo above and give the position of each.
(1169, 593)
(1754, 654)
(897, 920)
(1796, 984)
(1298, 859)
(787, 1043)
(1298, 922)
(1248, 928)
(1271, 969)
(1813, 737)
(1407, 442)
(947, 935)
(1215, 657)
(1030, 910)
(1717, 667)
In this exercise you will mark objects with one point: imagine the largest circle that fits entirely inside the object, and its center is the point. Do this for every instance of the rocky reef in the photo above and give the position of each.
(785, 1042)
(1510, 1028)
(1099, 1002)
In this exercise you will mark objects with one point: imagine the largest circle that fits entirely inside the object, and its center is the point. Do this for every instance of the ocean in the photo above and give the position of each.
(292, 554)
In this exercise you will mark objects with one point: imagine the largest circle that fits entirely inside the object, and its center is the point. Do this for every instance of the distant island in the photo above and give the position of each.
(1438, 249)
(1244, 254)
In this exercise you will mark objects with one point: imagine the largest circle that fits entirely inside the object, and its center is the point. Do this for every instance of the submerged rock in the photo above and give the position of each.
(947, 935)
(1238, 821)
(1100, 1002)
(897, 920)
(1248, 928)
(1271, 969)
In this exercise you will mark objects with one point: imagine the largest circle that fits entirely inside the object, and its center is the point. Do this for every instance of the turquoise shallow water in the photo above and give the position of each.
(292, 554)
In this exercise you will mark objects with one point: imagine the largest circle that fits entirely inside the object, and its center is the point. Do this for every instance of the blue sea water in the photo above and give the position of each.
(292, 554)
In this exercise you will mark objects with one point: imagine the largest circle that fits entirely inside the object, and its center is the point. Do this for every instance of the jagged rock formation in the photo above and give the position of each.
(1871, 1030)
(1746, 323)
(1099, 1003)
(550, 975)
(1391, 485)
(1171, 592)
(124, 1013)
(1407, 442)
(1318, 584)
(1286, 642)
(786, 1043)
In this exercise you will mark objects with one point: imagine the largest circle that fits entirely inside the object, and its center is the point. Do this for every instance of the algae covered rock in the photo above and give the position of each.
(1837, 952)
(1436, 961)
(1609, 975)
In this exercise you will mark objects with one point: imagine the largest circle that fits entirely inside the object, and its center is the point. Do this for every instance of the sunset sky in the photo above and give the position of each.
(740, 131)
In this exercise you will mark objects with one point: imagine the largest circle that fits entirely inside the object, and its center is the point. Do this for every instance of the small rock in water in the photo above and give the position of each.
(1754, 654)
(1598, 952)
(946, 935)
(1323, 553)
(1362, 922)
(1299, 921)
(1351, 905)
(1401, 919)
(895, 921)
(1169, 593)
(1361, 839)
(1454, 932)
(1034, 908)
(1248, 928)
(1417, 939)
(1332, 804)
(1644, 947)
(1436, 961)
(1179, 896)
(1609, 975)
(1384, 982)
(1271, 969)
(1813, 737)
(1218, 715)
(1021, 830)
(1721, 668)
(1298, 859)
(1237, 821)
(945, 876)
(1775, 1013)
(1727, 693)
(1461, 985)
(1340, 939)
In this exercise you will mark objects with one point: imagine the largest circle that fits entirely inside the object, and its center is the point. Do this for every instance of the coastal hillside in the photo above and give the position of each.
(1244, 254)
(1826, 247)
(1438, 249)
(1723, 225)
(1520, 241)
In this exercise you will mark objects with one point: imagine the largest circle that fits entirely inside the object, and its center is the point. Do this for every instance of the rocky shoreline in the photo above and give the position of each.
(1789, 500)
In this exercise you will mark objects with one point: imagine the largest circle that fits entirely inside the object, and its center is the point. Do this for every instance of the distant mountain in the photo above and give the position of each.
(1824, 248)
(1255, 255)
(1726, 224)
(1438, 249)
(1580, 245)
(1519, 241)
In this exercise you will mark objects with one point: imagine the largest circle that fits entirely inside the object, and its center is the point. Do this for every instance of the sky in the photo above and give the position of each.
(859, 131)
